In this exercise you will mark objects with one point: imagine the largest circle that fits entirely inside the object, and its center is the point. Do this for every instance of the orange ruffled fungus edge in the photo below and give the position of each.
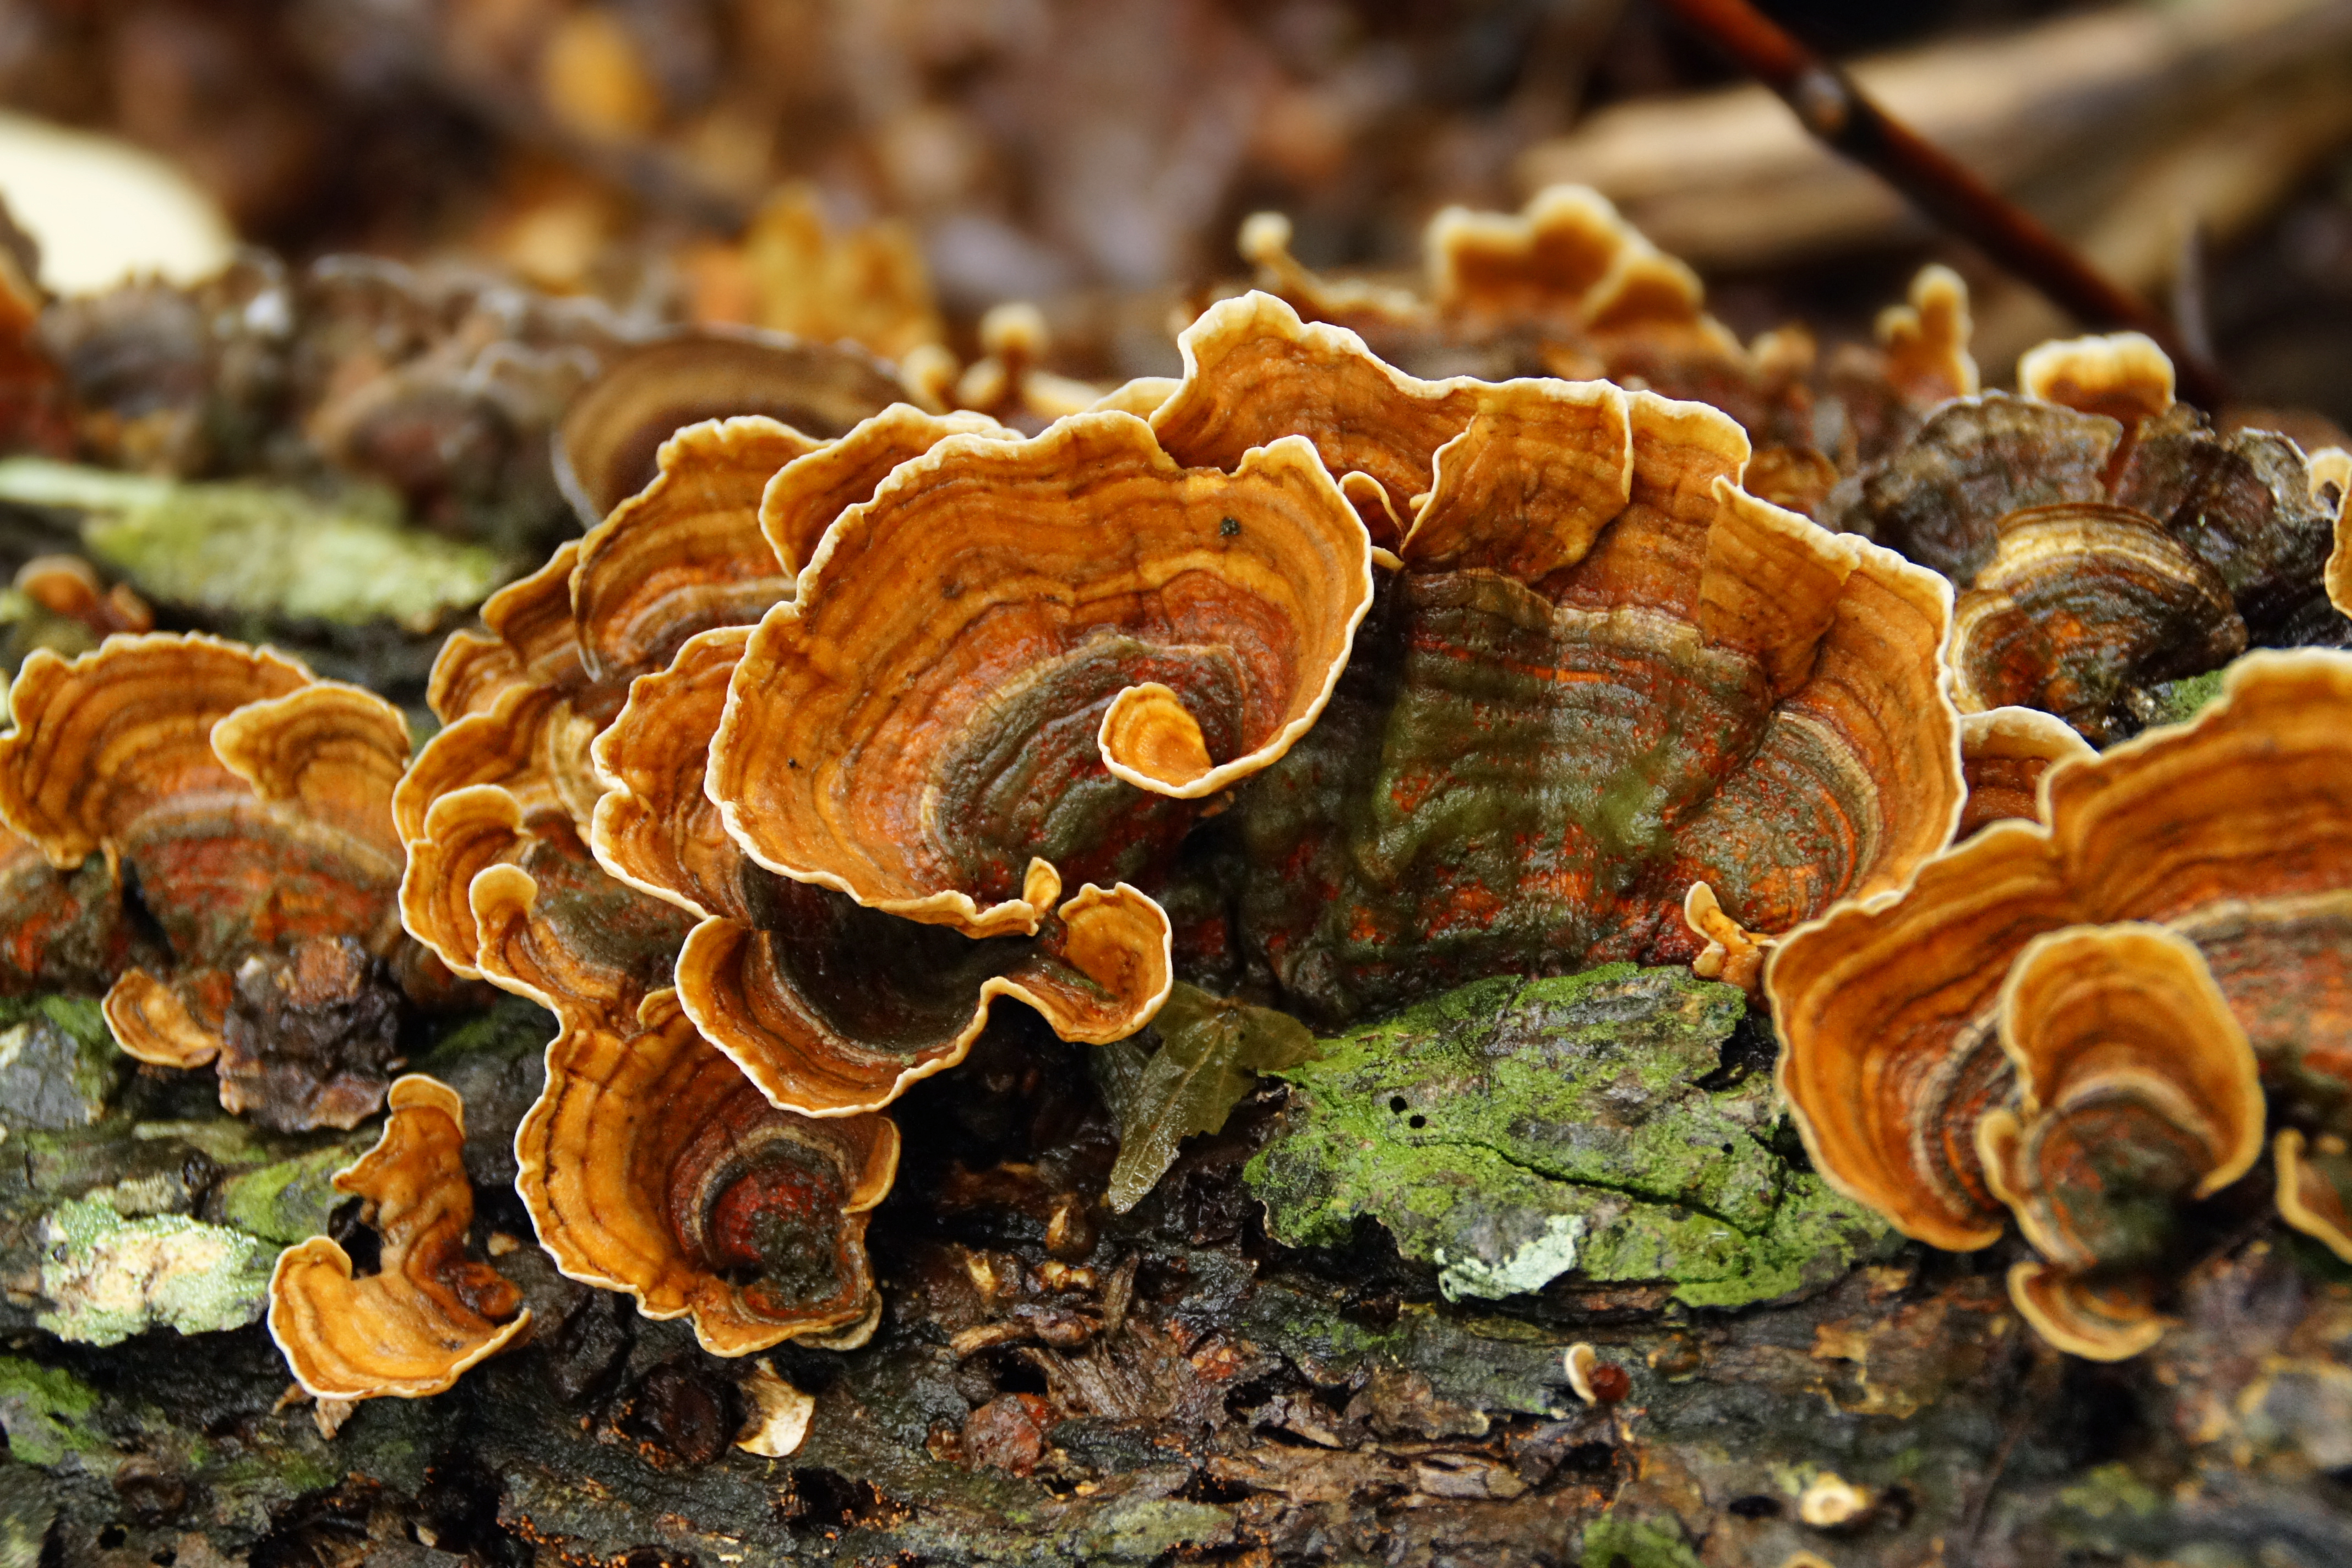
(428, 1313)
(2234, 831)
(256, 798)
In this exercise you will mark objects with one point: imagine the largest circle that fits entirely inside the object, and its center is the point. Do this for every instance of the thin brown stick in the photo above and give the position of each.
(1828, 103)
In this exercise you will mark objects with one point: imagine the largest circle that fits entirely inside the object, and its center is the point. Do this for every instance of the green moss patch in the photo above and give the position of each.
(263, 554)
(1514, 1132)
(106, 1278)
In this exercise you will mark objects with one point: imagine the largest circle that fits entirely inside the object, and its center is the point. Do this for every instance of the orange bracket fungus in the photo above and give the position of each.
(2136, 1087)
(606, 446)
(2106, 539)
(1043, 706)
(250, 807)
(429, 1312)
(652, 1165)
(1566, 287)
(2004, 752)
(1604, 673)
(2233, 833)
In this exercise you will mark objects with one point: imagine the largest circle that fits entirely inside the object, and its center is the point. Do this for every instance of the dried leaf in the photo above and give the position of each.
(1209, 1051)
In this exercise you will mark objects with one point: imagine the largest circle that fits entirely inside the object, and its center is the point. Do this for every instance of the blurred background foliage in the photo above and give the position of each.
(729, 160)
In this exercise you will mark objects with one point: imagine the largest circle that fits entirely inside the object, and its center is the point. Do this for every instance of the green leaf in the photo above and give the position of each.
(1209, 1053)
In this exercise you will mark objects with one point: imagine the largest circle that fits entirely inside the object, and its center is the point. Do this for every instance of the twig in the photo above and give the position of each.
(1828, 103)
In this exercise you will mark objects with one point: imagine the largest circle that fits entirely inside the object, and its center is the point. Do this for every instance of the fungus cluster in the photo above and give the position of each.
(2104, 538)
(1566, 287)
(205, 831)
(2075, 1019)
(811, 750)
(1301, 677)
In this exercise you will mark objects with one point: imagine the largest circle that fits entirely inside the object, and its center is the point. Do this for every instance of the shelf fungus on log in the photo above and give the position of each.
(2104, 538)
(2136, 1090)
(1099, 640)
(652, 1165)
(1602, 673)
(244, 808)
(429, 1312)
(1566, 287)
(2234, 832)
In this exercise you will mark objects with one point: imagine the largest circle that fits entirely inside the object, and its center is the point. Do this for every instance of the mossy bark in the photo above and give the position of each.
(1177, 1384)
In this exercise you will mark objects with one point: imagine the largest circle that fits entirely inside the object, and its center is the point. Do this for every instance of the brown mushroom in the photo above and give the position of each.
(2080, 605)
(429, 1312)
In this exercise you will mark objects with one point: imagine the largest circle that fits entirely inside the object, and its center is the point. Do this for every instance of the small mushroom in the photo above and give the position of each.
(429, 1312)
(652, 1165)
(2123, 375)
(251, 805)
(2137, 1089)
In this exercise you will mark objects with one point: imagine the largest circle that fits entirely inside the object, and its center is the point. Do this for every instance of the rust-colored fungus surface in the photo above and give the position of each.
(2233, 832)
(2136, 1089)
(428, 1311)
(2004, 752)
(2104, 538)
(1602, 673)
(652, 1165)
(250, 805)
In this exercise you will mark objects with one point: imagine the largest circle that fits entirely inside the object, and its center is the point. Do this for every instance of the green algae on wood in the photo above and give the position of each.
(59, 1066)
(1514, 1132)
(47, 1413)
(105, 1278)
(251, 556)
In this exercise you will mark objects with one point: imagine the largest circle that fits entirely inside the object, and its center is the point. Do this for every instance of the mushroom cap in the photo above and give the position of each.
(2123, 375)
(2080, 602)
(650, 1165)
(2097, 1318)
(2234, 830)
(1939, 497)
(604, 446)
(942, 733)
(1603, 674)
(2004, 752)
(2137, 1088)
(412, 1328)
